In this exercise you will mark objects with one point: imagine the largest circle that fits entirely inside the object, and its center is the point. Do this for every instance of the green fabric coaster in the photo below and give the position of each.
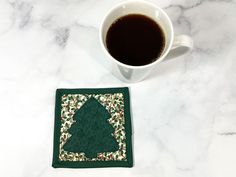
(92, 128)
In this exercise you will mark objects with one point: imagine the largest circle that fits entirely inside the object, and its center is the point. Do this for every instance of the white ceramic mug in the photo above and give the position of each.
(174, 47)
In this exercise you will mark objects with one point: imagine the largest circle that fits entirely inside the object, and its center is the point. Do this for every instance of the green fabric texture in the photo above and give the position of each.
(96, 131)
(91, 133)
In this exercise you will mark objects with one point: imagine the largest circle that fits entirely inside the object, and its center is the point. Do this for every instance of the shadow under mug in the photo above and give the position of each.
(174, 47)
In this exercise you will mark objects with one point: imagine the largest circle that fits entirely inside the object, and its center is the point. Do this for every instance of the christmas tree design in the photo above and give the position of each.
(91, 133)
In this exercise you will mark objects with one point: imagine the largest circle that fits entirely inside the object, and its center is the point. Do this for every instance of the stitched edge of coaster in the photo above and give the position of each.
(92, 164)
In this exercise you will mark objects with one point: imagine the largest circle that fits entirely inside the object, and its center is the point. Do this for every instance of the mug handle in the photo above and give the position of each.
(182, 44)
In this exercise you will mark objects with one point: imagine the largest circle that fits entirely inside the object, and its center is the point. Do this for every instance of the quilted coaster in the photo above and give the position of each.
(92, 128)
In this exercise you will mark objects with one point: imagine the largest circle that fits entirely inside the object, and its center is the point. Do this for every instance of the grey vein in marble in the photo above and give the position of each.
(61, 37)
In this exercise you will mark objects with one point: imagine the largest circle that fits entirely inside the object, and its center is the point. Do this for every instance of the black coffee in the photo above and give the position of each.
(135, 40)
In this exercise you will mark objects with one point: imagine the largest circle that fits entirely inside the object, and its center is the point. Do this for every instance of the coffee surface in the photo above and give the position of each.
(135, 40)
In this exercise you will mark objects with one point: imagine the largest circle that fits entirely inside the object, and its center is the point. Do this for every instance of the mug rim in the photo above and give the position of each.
(132, 66)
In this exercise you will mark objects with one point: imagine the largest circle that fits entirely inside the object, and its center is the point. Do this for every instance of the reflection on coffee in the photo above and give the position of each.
(135, 40)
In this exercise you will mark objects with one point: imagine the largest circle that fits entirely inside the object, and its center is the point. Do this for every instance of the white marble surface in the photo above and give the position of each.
(184, 113)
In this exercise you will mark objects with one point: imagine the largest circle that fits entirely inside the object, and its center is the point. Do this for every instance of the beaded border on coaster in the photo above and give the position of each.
(116, 101)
